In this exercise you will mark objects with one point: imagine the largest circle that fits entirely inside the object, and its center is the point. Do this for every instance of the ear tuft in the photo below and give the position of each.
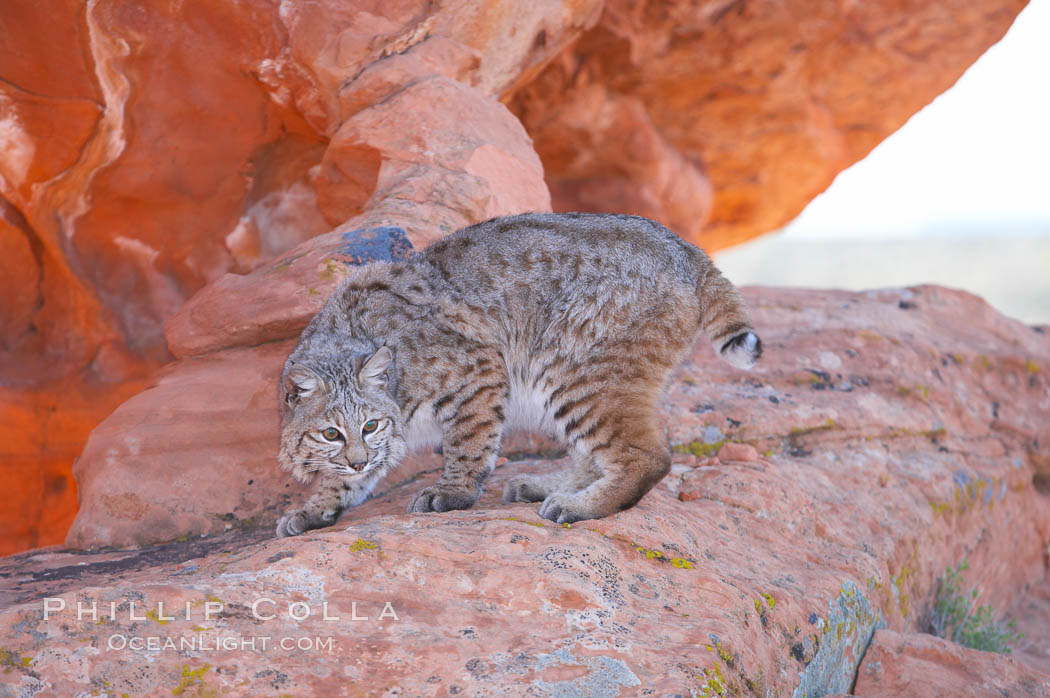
(373, 372)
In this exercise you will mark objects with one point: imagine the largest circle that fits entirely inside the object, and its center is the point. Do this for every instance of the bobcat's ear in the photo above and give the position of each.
(373, 372)
(301, 381)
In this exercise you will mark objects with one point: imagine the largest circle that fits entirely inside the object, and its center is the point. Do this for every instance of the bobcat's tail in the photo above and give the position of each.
(724, 317)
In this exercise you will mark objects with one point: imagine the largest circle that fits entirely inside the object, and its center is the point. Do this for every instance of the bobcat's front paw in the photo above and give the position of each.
(442, 498)
(291, 524)
(299, 521)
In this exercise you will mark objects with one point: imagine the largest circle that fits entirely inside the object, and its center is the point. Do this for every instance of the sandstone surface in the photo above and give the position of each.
(450, 157)
(883, 372)
(915, 664)
(151, 150)
(884, 436)
(1032, 613)
(192, 183)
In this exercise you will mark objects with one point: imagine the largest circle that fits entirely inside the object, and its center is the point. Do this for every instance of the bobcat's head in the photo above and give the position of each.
(340, 419)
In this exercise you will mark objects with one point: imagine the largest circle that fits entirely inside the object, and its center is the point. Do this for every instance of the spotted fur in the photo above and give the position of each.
(567, 324)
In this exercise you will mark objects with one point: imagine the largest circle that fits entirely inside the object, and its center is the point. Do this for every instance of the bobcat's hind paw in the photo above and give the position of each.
(525, 488)
(441, 498)
(564, 508)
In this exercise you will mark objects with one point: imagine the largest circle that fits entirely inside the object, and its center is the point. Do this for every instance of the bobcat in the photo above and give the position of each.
(567, 324)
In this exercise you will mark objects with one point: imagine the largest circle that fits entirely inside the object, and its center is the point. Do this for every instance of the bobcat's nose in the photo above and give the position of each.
(349, 462)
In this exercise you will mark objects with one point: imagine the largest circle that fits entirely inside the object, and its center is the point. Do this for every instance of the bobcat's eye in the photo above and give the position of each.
(370, 426)
(332, 434)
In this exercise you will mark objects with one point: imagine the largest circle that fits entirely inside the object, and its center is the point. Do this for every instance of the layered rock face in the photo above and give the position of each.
(882, 437)
(899, 664)
(158, 153)
(724, 119)
(151, 149)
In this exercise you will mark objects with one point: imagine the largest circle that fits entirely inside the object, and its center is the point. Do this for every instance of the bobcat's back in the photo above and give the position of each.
(592, 276)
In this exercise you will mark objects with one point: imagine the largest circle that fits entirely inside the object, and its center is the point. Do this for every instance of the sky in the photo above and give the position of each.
(959, 196)
(978, 155)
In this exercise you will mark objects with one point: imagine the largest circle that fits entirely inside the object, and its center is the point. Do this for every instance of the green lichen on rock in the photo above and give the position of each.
(828, 425)
(853, 620)
(920, 389)
(969, 492)
(331, 270)
(734, 680)
(899, 583)
(191, 677)
(602, 677)
(362, 544)
(527, 523)
(712, 683)
(12, 660)
(699, 449)
(679, 562)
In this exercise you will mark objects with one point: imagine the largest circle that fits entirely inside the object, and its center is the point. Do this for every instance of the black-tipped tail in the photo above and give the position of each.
(742, 350)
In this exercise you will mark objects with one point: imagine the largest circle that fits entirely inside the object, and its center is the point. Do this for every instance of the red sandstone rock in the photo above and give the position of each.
(450, 157)
(193, 454)
(881, 462)
(1032, 613)
(153, 149)
(603, 152)
(916, 664)
(738, 452)
(886, 394)
(764, 106)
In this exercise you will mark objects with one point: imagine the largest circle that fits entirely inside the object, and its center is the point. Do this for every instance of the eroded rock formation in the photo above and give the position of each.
(883, 436)
(184, 184)
(179, 168)
(914, 664)
(150, 149)
(724, 119)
